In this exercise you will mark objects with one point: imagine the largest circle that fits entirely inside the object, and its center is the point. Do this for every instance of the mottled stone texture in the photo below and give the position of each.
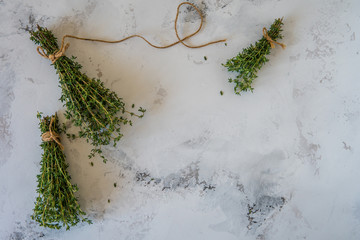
(279, 163)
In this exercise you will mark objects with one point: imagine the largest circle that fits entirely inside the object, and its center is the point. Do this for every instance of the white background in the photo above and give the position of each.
(192, 167)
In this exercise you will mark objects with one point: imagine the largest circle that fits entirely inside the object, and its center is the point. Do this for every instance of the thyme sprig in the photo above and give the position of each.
(98, 112)
(56, 205)
(251, 59)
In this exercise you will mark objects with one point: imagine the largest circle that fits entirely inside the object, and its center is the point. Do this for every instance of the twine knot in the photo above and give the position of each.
(272, 42)
(55, 56)
(52, 136)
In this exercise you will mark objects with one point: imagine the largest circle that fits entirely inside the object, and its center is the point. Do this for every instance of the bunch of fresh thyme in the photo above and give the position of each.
(251, 59)
(98, 112)
(56, 206)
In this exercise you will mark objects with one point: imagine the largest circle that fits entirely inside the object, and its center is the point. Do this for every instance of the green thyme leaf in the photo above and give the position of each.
(56, 205)
(251, 59)
(99, 112)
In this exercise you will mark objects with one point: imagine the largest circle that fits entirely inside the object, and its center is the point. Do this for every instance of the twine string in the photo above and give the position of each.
(55, 56)
(61, 51)
(52, 136)
(272, 42)
(194, 33)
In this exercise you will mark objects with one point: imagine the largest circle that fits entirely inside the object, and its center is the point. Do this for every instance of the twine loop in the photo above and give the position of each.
(54, 57)
(52, 136)
(272, 42)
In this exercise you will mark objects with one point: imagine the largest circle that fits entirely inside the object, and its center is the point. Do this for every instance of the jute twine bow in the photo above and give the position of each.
(60, 53)
(272, 42)
(52, 136)
(55, 56)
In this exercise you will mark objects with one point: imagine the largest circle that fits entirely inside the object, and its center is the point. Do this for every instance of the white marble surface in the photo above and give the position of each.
(195, 164)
